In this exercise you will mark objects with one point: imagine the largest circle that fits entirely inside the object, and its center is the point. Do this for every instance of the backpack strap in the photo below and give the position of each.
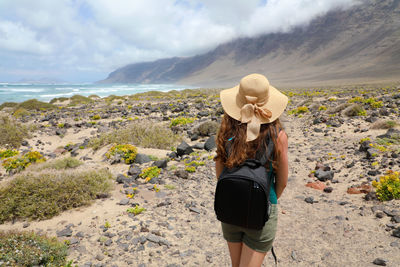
(274, 255)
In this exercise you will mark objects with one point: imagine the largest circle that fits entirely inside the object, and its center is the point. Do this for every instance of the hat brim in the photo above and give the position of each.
(232, 104)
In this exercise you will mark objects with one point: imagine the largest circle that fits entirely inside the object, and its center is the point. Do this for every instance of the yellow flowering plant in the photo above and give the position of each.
(128, 152)
(20, 163)
(150, 172)
(388, 187)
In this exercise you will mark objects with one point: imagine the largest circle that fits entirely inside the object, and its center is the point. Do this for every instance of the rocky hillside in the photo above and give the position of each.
(361, 44)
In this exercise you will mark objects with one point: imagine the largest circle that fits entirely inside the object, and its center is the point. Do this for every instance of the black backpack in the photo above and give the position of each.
(242, 193)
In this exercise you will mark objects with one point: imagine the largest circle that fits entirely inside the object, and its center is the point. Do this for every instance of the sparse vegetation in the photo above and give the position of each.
(136, 210)
(79, 99)
(354, 110)
(143, 135)
(34, 104)
(388, 186)
(19, 163)
(181, 121)
(126, 151)
(42, 195)
(12, 133)
(58, 164)
(298, 110)
(150, 172)
(19, 248)
(207, 128)
(384, 124)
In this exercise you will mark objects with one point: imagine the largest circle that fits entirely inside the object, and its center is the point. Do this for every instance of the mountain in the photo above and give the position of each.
(357, 45)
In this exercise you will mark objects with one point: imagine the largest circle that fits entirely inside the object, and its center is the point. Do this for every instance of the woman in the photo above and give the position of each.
(252, 111)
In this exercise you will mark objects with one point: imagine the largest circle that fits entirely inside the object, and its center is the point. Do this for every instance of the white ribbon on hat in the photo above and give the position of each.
(251, 113)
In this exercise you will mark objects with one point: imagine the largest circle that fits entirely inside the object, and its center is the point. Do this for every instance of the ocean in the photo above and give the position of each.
(19, 92)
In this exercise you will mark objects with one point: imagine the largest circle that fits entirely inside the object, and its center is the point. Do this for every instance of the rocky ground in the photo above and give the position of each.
(328, 214)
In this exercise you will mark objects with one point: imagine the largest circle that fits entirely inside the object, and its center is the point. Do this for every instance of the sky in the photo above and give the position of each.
(85, 40)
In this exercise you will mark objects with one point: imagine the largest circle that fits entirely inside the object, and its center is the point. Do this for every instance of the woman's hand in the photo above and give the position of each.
(283, 168)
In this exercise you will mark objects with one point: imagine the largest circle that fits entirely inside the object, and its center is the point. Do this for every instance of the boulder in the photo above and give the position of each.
(183, 149)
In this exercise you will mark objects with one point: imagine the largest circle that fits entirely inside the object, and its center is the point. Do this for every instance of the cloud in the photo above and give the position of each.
(93, 37)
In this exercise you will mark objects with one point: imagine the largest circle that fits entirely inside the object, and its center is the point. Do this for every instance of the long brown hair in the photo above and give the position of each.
(240, 149)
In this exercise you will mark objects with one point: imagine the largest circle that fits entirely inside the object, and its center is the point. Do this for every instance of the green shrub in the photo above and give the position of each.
(95, 117)
(8, 105)
(299, 110)
(354, 110)
(143, 135)
(11, 132)
(190, 169)
(19, 163)
(126, 151)
(58, 164)
(59, 99)
(42, 195)
(34, 104)
(150, 172)
(181, 121)
(322, 108)
(20, 112)
(136, 210)
(19, 248)
(384, 124)
(388, 187)
(207, 128)
(79, 99)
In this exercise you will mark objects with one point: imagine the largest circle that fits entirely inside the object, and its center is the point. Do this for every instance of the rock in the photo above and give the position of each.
(396, 219)
(372, 152)
(198, 146)
(396, 232)
(134, 172)
(193, 209)
(181, 174)
(328, 189)
(210, 143)
(359, 189)
(73, 241)
(99, 257)
(142, 158)
(124, 201)
(364, 146)
(183, 149)
(316, 185)
(108, 242)
(380, 214)
(160, 163)
(65, 232)
(153, 238)
(26, 224)
(380, 262)
(370, 196)
(323, 175)
(121, 179)
(309, 200)
(391, 133)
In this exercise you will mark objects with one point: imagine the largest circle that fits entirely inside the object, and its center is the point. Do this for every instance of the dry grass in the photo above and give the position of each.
(146, 134)
(42, 195)
(12, 133)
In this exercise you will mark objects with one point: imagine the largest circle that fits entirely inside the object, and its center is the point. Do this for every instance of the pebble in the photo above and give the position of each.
(309, 200)
(380, 262)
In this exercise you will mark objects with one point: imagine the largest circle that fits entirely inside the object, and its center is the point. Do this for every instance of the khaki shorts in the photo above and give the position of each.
(258, 240)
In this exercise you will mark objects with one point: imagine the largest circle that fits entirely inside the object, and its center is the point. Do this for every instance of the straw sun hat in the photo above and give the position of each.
(253, 101)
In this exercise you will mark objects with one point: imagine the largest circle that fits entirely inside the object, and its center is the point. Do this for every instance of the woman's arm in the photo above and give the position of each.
(283, 169)
(218, 167)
